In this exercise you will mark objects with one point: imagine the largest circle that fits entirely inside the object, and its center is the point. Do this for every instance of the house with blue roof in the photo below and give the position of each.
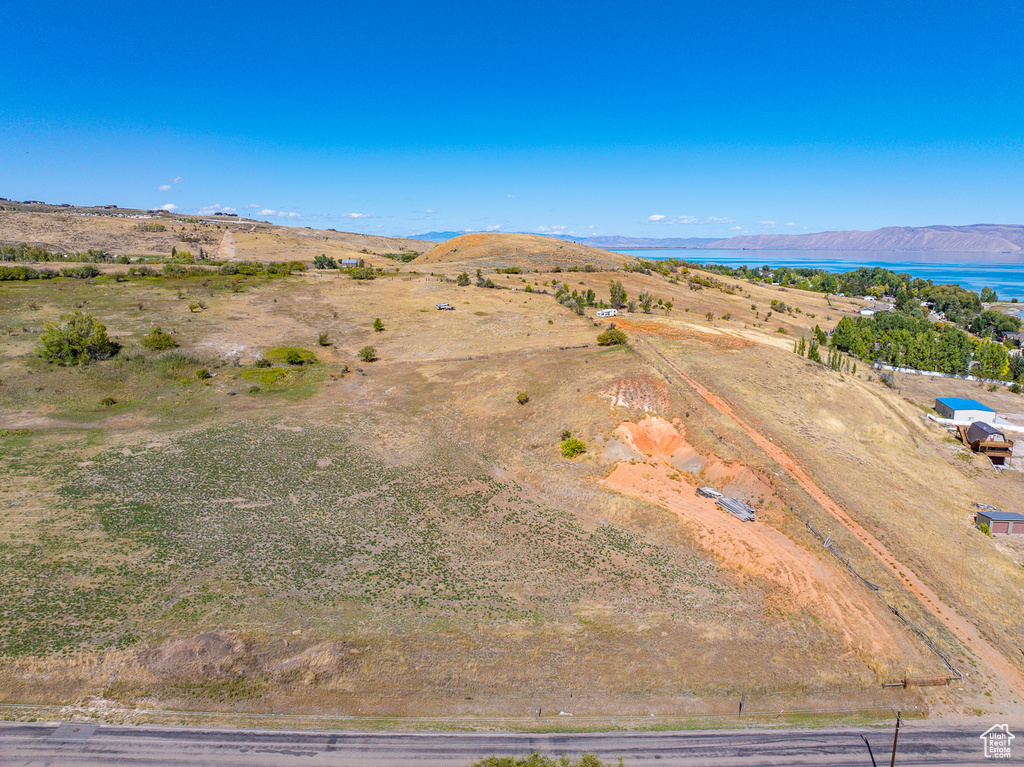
(966, 410)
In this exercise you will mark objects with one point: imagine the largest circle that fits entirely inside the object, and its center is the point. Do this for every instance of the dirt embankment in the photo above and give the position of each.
(965, 631)
(669, 479)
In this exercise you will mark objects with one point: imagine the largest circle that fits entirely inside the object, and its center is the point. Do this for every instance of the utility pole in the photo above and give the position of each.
(895, 736)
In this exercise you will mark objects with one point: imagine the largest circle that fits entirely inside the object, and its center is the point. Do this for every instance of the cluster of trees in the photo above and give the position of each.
(25, 253)
(252, 268)
(23, 273)
(957, 304)
(914, 342)
(575, 300)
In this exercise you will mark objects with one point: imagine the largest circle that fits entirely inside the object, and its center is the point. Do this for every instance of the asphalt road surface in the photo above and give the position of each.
(84, 745)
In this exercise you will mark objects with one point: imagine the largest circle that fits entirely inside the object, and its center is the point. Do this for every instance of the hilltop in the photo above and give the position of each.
(525, 251)
(127, 231)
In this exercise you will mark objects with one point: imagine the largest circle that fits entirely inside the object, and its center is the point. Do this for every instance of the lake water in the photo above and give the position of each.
(1002, 272)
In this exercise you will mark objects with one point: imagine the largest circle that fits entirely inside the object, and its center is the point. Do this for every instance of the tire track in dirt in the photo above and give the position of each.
(959, 626)
(226, 249)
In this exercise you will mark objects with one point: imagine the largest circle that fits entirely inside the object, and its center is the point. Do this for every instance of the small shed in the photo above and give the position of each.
(963, 409)
(865, 312)
(986, 439)
(1001, 522)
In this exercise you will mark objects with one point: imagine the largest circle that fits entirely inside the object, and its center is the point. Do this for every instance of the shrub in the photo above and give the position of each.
(261, 363)
(462, 280)
(362, 273)
(158, 341)
(202, 374)
(368, 354)
(378, 325)
(322, 339)
(984, 528)
(573, 447)
(1016, 388)
(75, 339)
(612, 337)
(522, 397)
(108, 402)
(80, 272)
(293, 357)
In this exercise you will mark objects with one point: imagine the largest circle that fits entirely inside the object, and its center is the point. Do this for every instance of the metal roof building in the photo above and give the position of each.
(963, 409)
(1002, 522)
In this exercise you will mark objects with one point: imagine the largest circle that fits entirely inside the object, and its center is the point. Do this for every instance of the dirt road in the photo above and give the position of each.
(226, 249)
(959, 626)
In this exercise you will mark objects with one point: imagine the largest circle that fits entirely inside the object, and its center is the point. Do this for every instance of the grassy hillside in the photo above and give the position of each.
(524, 251)
(403, 536)
(132, 232)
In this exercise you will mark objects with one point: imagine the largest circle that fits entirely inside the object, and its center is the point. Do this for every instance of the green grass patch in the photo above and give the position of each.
(245, 526)
(267, 377)
(290, 355)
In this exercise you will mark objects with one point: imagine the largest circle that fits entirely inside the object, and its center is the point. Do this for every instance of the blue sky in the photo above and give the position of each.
(663, 120)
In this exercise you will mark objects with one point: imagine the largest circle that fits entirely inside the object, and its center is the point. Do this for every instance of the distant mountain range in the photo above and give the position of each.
(976, 238)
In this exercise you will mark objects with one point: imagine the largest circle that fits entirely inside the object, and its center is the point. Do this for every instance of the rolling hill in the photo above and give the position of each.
(527, 251)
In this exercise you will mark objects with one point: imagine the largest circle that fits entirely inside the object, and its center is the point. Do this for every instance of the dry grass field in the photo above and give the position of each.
(403, 537)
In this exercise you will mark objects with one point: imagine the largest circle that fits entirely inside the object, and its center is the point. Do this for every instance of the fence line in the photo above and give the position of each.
(827, 543)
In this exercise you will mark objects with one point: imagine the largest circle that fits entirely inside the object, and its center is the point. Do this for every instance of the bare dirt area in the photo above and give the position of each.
(752, 549)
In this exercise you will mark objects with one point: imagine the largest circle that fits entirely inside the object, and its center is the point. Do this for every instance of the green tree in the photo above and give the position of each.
(646, 301)
(75, 339)
(612, 337)
(368, 354)
(988, 295)
(378, 325)
(992, 360)
(618, 295)
(462, 280)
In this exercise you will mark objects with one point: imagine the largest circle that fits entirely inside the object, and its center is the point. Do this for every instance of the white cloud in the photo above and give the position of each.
(717, 220)
(590, 226)
(176, 180)
(169, 206)
(767, 224)
(164, 188)
(510, 196)
(735, 228)
(659, 218)
(252, 206)
(209, 210)
(430, 210)
(355, 215)
(790, 224)
(278, 213)
(493, 228)
(552, 229)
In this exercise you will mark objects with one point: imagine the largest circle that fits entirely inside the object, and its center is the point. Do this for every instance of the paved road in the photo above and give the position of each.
(81, 745)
